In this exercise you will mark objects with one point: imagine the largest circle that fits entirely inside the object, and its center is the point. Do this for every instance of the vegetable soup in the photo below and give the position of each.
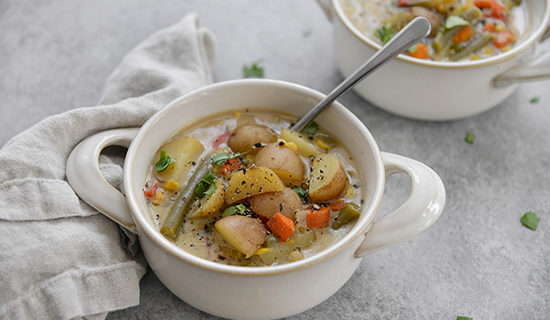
(242, 189)
(461, 29)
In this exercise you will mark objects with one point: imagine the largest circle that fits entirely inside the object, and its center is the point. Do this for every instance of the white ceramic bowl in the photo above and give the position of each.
(250, 292)
(434, 90)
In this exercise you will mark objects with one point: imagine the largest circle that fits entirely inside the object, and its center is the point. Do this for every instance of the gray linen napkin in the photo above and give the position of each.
(59, 258)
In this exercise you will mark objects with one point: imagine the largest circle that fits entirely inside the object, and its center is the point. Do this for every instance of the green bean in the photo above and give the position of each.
(349, 213)
(443, 40)
(177, 212)
(472, 47)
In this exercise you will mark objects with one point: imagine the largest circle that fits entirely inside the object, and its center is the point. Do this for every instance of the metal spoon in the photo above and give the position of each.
(413, 32)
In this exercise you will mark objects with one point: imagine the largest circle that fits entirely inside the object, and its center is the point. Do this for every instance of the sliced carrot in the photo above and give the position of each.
(421, 51)
(464, 34)
(281, 226)
(337, 205)
(151, 190)
(403, 3)
(230, 166)
(504, 38)
(489, 27)
(318, 218)
(494, 8)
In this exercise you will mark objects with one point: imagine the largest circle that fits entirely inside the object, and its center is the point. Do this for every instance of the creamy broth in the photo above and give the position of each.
(201, 237)
(461, 29)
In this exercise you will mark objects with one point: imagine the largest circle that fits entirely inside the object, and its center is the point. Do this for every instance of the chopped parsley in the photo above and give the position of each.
(253, 71)
(223, 157)
(530, 220)
(307, 33)
(385, 33)
(206, 186)
(164, 161)
(238, 209)
(534, 100)
(302, 193)
(453, 22)
(470, 137)
(311, 128)
(463, 318)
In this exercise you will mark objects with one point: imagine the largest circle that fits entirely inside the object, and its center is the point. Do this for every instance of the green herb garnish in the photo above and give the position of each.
(223, 157)
(463, 318)
(302, 193)
(530, 220)
(238, 209)
(453, 22)
(385, 33)
(307, 33)
(163, 162)
(254, 71)
(311, 128)
(206, 186)
(470, 137)
(534, 100)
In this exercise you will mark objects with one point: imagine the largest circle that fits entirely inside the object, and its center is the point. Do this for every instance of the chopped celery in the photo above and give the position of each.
(349, 213)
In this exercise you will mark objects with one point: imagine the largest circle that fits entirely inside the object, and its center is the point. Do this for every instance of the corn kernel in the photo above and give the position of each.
(292, 146)
(488, 51)
(155, 202)
(159, 196)
(262, 251)
(500, 27)
(237, 114)
(474, 57)
(171, 185)
(322, 144)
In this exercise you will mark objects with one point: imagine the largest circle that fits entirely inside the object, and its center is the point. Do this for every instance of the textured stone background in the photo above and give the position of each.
(477, 260)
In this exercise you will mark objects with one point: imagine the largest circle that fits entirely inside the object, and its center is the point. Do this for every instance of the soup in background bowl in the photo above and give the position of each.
(222, 289)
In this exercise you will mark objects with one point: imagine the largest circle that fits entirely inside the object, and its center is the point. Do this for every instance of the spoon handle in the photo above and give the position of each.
(413, 32)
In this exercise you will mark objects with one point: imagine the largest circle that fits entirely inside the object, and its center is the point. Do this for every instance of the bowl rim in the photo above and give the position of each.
(515, 51)
(359, 230)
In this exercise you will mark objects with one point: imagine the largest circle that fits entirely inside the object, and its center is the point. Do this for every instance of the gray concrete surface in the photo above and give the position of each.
(477, 260)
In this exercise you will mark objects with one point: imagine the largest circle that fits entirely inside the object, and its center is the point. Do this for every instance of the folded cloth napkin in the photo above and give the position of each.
(59, 258)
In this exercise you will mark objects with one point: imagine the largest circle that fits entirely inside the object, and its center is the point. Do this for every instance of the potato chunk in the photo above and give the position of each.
(243, 138)
(286, 202)
(286, 163)
(305, 147)
(328, 178)
(243, 233)
(209, 205)
(185, 150)
(250, 182)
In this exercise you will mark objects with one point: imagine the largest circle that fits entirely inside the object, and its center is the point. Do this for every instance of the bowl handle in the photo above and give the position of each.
(421, 210)
(326, 6)
(85, 178)
(537, 67)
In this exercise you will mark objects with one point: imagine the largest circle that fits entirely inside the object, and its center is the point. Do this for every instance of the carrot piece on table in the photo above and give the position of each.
(281, 226)
(318, 218)
(463, 34)
(421, 51)
(504, 38)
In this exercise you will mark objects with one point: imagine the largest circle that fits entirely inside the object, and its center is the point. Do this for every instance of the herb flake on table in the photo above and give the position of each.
(311, 128)
(164, 161)
(206, 186)
(254, 70)
(534, 100)
(307, 33)
(530, 220)
(470, 137)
